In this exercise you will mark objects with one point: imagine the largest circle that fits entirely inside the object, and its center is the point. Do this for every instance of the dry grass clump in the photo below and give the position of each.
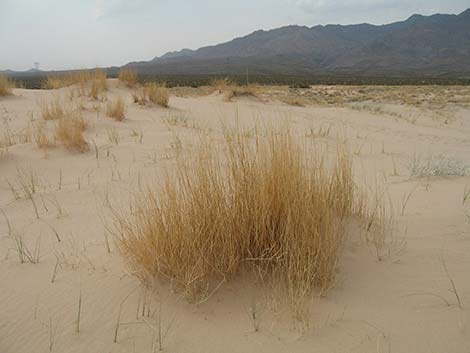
(116, 109)
(6, 86)
(264, 204)
(128, 77)
(153, 93)
(98, 84)
(69, 131)
(241, 91)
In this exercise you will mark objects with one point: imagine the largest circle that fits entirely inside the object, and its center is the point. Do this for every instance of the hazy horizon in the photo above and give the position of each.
(90, 33)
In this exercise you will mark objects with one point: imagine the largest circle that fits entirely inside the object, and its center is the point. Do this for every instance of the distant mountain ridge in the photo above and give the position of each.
(430, 45)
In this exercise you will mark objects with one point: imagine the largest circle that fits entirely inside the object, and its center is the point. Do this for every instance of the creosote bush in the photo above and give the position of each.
(266, 203)
(5, 86)
(128, 77)
(116, 109)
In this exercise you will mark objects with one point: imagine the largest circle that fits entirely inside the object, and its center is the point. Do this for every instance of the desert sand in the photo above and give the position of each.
(412, 297)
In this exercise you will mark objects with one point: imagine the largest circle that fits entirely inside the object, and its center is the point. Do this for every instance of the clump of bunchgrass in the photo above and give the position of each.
(69, 131)
(128, 77)
(266, 203)
(152, 93)
(116, 109)
(98, 84)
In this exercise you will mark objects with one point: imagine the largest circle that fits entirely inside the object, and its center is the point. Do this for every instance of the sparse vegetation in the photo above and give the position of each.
(57, 81)
(128, 77)
(272, 208)
(116, 109)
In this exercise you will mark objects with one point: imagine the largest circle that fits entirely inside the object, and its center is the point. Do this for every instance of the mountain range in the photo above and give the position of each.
(421, 45)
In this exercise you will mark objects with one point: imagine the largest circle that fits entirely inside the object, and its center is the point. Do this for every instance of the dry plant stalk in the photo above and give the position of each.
(262, 203)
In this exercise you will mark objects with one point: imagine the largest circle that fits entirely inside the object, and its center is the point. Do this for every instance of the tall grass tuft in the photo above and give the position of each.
(116, 109)
(98, 84)
(69, 131)
(128, 77)
(6, 86)
(266, 203)
(153, 93)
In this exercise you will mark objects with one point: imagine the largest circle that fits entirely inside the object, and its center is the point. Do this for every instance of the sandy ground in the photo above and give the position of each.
(402, 303)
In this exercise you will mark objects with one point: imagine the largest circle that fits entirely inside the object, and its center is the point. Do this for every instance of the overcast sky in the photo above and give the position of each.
(65, 34)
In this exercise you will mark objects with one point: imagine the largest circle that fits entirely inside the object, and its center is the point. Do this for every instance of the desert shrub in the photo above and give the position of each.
(5, 86)
(128, 77)
(263, 204)
(116, 109)
(69, 131)
(153, 93)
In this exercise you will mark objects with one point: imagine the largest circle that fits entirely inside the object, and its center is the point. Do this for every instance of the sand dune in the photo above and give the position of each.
(402, 300)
